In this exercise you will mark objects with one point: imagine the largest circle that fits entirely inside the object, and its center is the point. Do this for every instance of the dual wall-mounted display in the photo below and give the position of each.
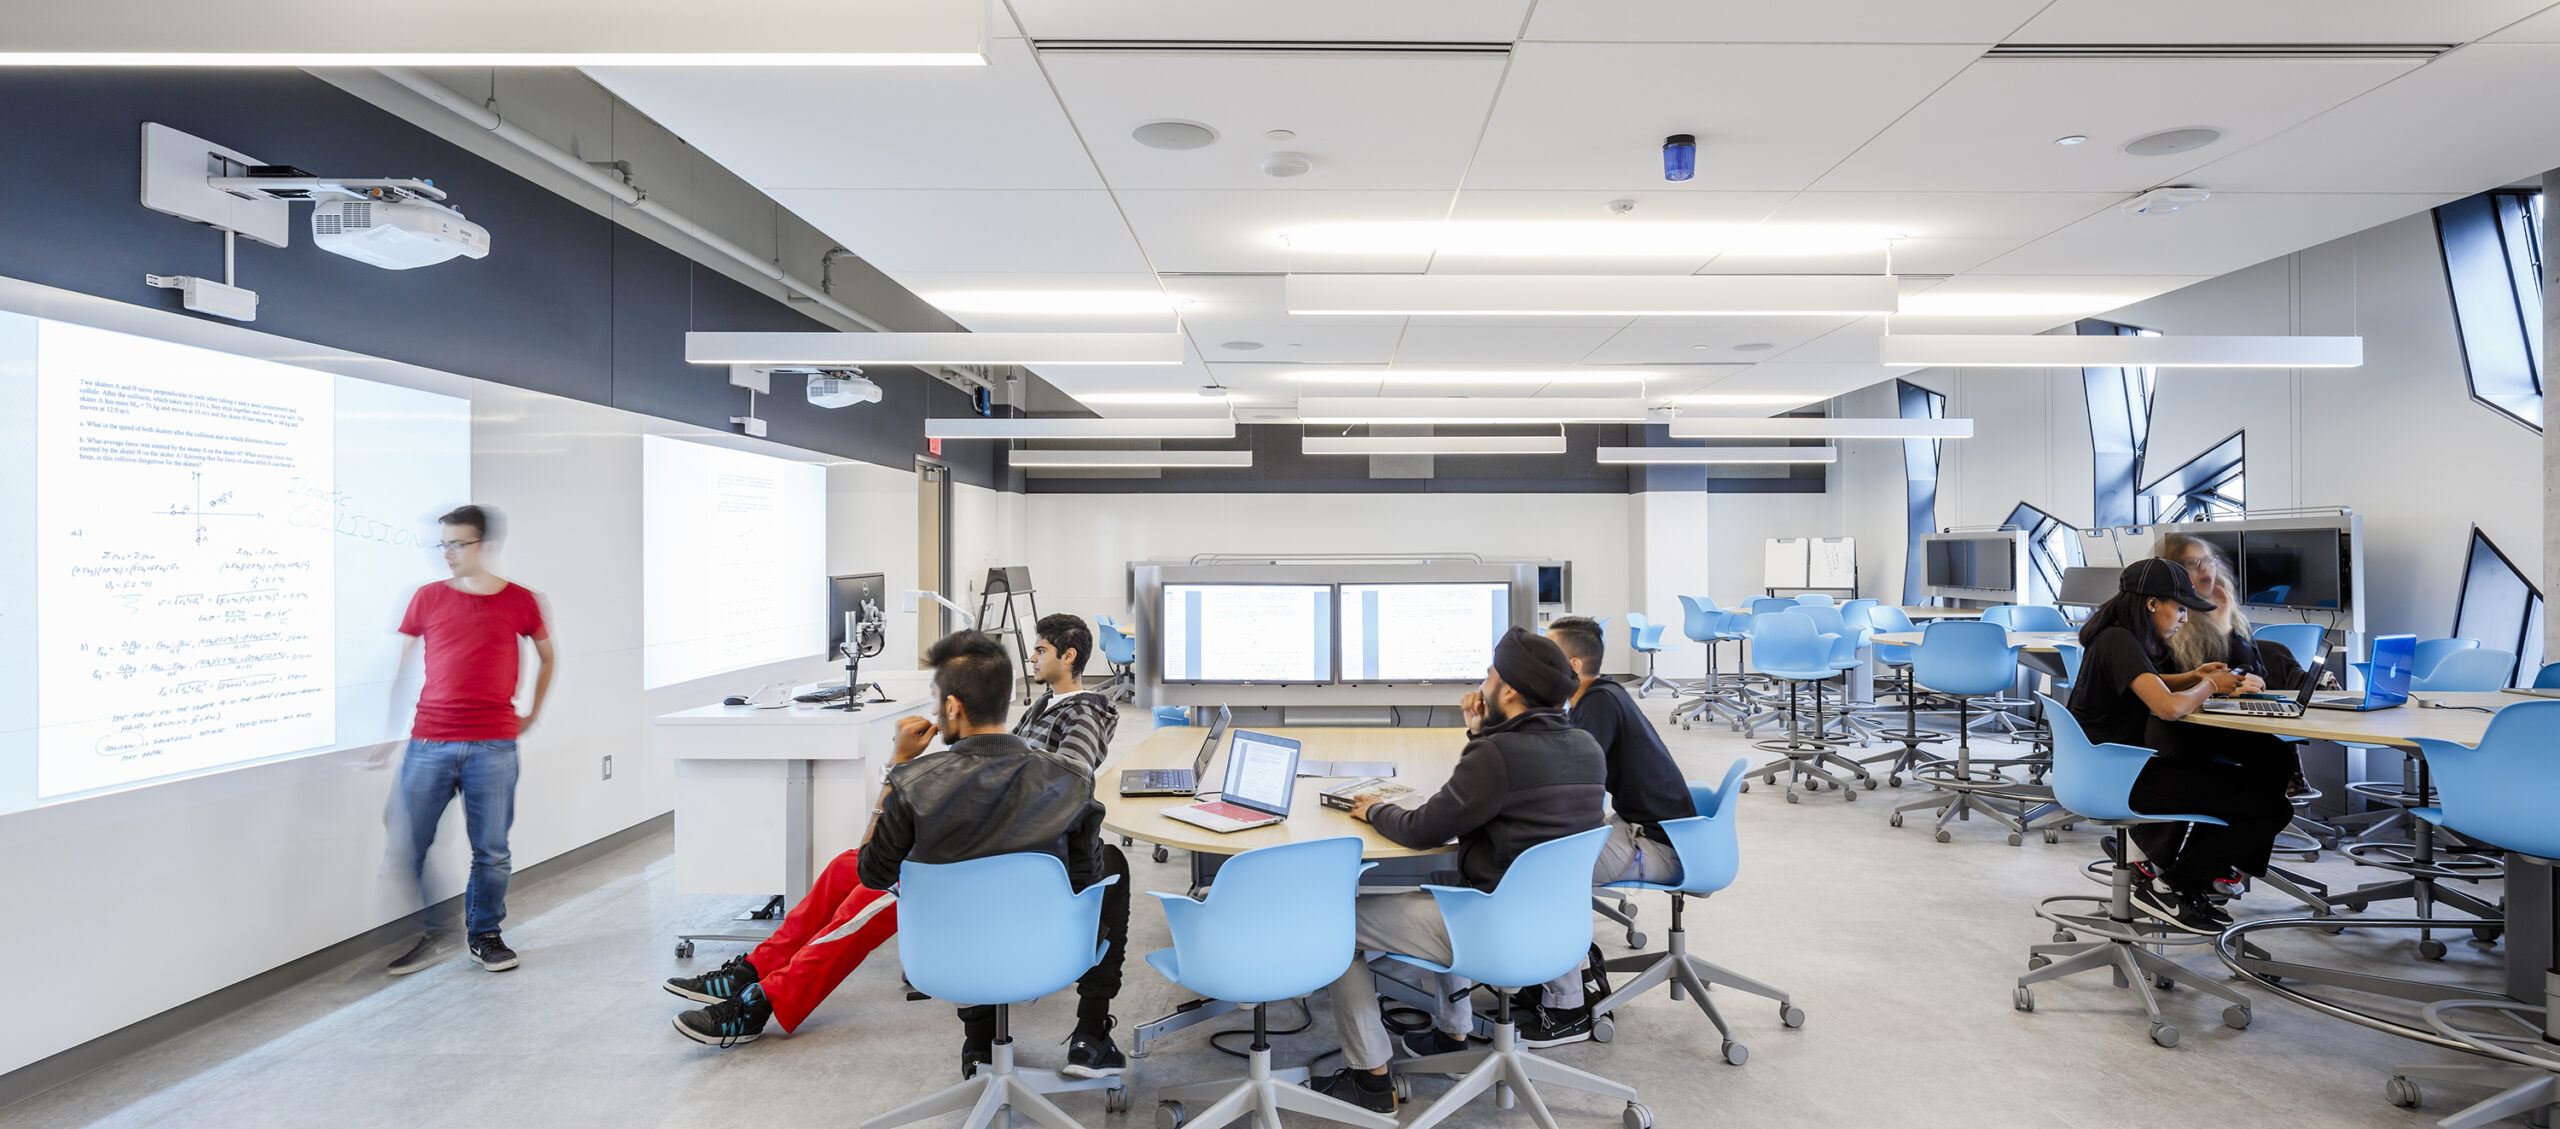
(1305, 633)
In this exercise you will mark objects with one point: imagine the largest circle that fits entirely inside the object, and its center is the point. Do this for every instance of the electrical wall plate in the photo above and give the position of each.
(175, 166)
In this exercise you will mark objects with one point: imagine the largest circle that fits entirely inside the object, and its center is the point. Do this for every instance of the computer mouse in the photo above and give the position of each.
(734, 700)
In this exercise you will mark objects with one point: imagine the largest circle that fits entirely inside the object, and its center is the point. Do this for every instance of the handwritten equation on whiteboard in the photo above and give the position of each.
(186, 622)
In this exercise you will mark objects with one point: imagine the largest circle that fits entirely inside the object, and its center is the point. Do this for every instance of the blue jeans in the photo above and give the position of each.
(484, 772)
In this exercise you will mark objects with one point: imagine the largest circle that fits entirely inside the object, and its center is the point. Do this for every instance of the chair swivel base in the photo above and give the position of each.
(998, 1088)
(1802, 759)
(2526, 1071)
(1960, 798)
(1260, 1095)
(2124, 945)
(1511, 1072)
(1689, 977)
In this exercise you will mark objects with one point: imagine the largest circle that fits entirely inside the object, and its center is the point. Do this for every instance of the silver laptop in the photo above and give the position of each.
(2271, 707)
(1176, 781)
(1262, 777)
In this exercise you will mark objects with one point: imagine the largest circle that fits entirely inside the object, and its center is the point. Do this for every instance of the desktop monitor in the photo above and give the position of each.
(2085, 586)
(1266, 633)
(1973, 563)
(865, 593)
(1421, 632)
(2292, 568)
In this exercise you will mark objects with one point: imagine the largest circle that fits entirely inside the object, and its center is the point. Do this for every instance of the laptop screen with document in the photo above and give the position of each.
(1262, 772)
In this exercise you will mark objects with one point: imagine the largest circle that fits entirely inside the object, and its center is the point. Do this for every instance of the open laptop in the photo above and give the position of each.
(2386, 681)
(1176, 781)
(1262, 776)
(2271, 707)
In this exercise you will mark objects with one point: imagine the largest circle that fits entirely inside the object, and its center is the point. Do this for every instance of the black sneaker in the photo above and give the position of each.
(729, 1022)
(2230, 885)
(1430, 1041)
(1373, 1092)
(1554, 1026)
(2210, 914)
(425, 954)
(2186, 913)
(973, 1056)
(722, 983)
(1091, 1053)
(492, 951)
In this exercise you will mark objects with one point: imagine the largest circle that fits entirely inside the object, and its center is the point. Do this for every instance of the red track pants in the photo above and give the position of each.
(822, 940)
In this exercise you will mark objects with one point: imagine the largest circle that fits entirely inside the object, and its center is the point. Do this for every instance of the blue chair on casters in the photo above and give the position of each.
(1786, 646)
(1278, 925)
(2027, 617)
(2095, 781)
(2547, 678)
(2427, 862)
(997, 931)
(1708, 625)
(2501, 792)
(1121, 652)
(1890, 619)
(1709, 856)
(1644, 637)
(1532, 928)
(2302, 640)
(2434, 651)
(1172, 715)
(1964, 659)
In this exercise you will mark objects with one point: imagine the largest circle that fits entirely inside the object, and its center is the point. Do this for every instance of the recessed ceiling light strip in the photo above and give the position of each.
(1434, 444)
(1956, 350)
(934, 348)
(1785, 295)
(1086, 459)
(1210, 428)
(1469, 409)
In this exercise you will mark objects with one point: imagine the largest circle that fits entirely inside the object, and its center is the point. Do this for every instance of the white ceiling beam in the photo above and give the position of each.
(1469, 409)
(1434, 445)
(1077, 460)
(1211, 428)
(934, 348)
(2062, 350)
(1687, 295)
(1713, 456)
(1796, 427)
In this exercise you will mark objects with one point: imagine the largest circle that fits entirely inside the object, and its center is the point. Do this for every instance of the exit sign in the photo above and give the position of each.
(933, 447)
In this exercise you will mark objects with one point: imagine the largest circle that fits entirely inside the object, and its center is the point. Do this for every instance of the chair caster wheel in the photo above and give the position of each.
(2024, 999)
(1746, 785)
(1871, 784)
(1792, 798)
(1126, 842)
(1116, 1099)
(2163, 983)
(1403, 1087)
(2164, 1034)
(1895, 781)
(2037, 961)
(2431, 949)
(2015, 838)
(2064, 936)
(2052, 836)
(2236, 1017)
(1160, 854)
(2333, 930)
(1171, 1115)
(1772, 778)
(1946, 836)
(1636, 1117)
(2486, 934)
(684, 950)
(1604, 1029)
(1846, 794)
(1736, 1053)
(1635, 940)
(1791, 1015)
(2403, 1093)
(1894, 820)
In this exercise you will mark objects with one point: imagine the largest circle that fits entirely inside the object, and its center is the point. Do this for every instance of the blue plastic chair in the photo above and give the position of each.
(1278, 924)
(997, 931)
(1710, 854)
(1859, 613)
(2027, 617)
(1764, 605)
(1845, 640)
(2475, 668)
(1644, 637)
(2433, 651)
(2301, 640)
(1964, 660)
(1890, 619)
(1121, 652)
(1172, 715)
(1814, 599)
(2096, 782)
(2070, 654)
(1534, 927)
(2500, 792)
(1790, 646)
(1708, 625)
(2548, 678)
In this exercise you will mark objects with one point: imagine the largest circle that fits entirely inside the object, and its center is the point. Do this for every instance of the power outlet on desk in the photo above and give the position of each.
(608, 766)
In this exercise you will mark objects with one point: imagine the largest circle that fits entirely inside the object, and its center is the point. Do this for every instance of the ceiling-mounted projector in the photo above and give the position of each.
(842, 388)
(396, 234)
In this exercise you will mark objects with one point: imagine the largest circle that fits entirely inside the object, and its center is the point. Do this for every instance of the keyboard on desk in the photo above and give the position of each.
(838, 694)
(1230, 811)
(2254, 707)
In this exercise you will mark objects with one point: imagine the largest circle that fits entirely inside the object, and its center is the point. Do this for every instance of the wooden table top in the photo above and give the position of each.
(2038, 641)
(2399, 726)
(1423, 757)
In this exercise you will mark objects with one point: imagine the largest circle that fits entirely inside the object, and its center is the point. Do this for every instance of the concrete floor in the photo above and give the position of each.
(1901, 950)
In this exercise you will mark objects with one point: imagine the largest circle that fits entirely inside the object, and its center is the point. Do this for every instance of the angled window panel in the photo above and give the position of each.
(1920, 479)
(2493, 268)
(2052, 546)
(2209, 487)
(2499, 607)
(2119, 428)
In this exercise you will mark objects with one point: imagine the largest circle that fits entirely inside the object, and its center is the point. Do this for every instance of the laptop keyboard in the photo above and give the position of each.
(1231, 811)
(2255, 706)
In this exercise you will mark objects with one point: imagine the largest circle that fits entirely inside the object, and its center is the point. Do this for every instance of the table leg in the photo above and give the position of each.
(795, 830)
(2530, 893)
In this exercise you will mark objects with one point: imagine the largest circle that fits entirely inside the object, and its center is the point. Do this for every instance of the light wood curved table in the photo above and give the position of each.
(2040, 642)
(1423, 757)
(2399, 727)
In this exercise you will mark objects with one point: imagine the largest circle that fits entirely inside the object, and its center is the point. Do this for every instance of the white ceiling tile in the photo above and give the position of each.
(1993, 128)
(1814, 381)
(973, 232)
(1513, 345)
(1675, 341)
(1229, 231)
(1767, 118)
(1796, 21)
(2443, 128)
(1404, 21)
(2226, 233)
(1214, 300)
(1297, 341)
(1947, 215)
(951, 291)
(1330, 101)
(2543, 27)
(1593, 206)
(2270, 21)
(868, 127)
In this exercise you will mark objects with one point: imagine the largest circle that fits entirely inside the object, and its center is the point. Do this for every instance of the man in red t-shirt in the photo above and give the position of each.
(464, 738)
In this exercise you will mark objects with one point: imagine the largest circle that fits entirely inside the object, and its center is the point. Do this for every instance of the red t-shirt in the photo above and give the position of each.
(472, 659)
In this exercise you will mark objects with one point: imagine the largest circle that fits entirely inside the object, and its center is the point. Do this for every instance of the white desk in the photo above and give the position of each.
(763, 794)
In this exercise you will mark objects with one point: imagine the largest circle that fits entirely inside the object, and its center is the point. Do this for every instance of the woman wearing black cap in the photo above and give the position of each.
(2124, 696)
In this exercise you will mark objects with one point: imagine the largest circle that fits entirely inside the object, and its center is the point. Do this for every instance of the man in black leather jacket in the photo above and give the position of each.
(990, 793)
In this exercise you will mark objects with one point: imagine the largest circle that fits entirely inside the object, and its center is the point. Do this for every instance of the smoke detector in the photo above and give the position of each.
(1287, 164)
(2167, 201)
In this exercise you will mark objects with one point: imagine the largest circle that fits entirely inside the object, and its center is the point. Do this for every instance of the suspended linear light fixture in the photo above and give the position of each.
(1084, 459)
(1212, 427)
(1713, 456)
(1508, 295)
(2057, 350)
(1797, 427)
(934, 348)
(1434, 445)
(1469, 409)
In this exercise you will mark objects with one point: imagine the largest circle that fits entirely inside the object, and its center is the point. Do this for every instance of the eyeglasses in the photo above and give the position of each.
(453, 546)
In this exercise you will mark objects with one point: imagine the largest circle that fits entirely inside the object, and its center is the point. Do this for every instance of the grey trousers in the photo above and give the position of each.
(1624, 857)
(1406, 923)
